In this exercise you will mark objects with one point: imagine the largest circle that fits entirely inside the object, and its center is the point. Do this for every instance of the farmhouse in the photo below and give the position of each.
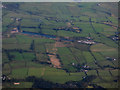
(109, 58)
(18, 19)
(16, 83)
(15, 30)
(3, 6)
(12, 18)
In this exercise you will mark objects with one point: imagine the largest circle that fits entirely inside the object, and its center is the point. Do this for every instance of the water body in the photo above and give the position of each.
(39, 34)
(45, 35)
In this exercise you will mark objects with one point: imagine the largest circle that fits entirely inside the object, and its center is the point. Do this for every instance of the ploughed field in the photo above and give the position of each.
(60, 43)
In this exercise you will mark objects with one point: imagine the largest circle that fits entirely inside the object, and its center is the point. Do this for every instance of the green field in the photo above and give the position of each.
(47, 44)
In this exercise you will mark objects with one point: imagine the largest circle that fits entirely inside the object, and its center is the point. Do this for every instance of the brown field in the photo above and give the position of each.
(55, 61)
(59, 44)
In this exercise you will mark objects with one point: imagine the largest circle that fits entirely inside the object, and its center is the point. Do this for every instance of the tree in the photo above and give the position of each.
(32, 47)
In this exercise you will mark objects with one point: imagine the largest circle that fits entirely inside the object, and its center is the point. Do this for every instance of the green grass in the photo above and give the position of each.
(17, 64)
(98, 27)
(68, 34)
(17, 46)
(60, 76)
(6, 69)
(20, 73)
(41, 57)
(84, 18)
(105, 75)
(31, 64)
(35, 72)
(39, 41)
(92, 72)
(104, 29)
(103, 39)
(104, 84)
(29, 23)
(108, 85)
(4, 29)
(66, 56)
(105, 63)
(40, 48)
(9, 40)
(17, 56)
(6, 21)
(114, 20)
(25, 56)
(4, 57)
(34, 14)
(108, 31)
(23, 39)
(92, 65)
(49, 32)
(28, 56)
(98, 56)
(89, 58)
(105, 50)
(55, 75)
(114, 72)
(22, 85)
(31, 30)
(78, 55)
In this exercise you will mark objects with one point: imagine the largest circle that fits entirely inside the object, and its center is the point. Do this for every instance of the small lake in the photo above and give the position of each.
(45, 35)
(39, 34)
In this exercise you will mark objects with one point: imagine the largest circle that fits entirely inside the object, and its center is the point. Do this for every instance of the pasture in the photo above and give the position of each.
(54, 29)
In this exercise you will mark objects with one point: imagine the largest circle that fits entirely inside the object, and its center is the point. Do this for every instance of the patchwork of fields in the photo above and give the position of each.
(61, 43)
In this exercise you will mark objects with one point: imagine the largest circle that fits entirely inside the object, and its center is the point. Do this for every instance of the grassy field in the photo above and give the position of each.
(20, 73)
(88, 57)
(36, 30)
(27, 54)
(42, 57)
(6, 69)
(55, 75)
(78, 55)
(5, 57)
(104, 50)
(63, 52)
(29, 23)
(17, 46)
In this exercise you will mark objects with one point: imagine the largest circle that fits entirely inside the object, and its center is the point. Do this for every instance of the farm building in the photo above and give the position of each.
(15, 30)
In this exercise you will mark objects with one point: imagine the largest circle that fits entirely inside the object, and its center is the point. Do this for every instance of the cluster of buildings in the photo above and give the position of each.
(111, 59)
(116, 37)
(15, 30)
(3, 6)
(17, 19)
(87, 41)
